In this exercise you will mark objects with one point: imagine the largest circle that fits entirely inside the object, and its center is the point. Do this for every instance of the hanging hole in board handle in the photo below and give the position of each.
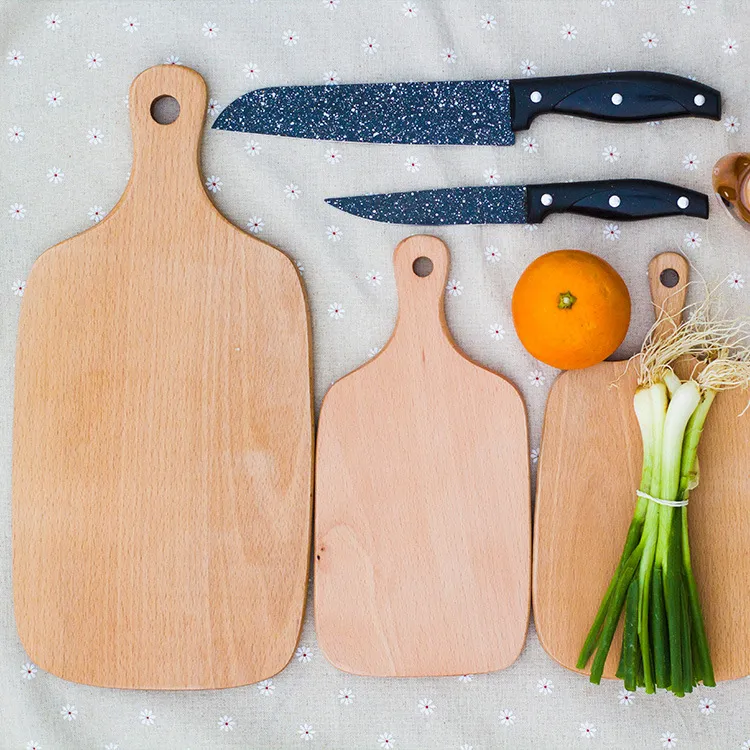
(422, 266)
(165, 109)
(669, 278)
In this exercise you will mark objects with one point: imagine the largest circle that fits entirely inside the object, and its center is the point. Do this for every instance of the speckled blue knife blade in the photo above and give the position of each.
(442, 112)
(494, 204)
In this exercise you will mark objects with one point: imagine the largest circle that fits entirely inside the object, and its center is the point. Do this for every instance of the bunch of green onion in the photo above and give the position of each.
(664, 642)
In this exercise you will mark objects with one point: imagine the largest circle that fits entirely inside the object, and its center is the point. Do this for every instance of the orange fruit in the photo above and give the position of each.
(571, 309)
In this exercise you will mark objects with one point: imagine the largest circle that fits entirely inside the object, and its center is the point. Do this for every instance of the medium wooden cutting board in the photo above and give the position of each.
(162, 457)
(589, 470)
(422, 541)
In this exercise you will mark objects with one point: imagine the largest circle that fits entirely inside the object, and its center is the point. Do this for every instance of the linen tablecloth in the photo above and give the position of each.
(65, 155)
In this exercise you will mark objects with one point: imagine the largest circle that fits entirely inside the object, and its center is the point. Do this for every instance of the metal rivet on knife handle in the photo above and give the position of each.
(546, 199)
(535, 97)
(614, 201)
(616, 99)
(699, 100)
(683, 202)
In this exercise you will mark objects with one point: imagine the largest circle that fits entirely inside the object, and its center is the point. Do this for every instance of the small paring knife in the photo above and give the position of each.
(463, 112)
(620, 200)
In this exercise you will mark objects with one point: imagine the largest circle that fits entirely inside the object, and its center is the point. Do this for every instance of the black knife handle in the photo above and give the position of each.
(623, 200)
(619, 97)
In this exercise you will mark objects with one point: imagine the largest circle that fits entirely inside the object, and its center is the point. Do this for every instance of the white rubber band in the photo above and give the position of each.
(659, 501)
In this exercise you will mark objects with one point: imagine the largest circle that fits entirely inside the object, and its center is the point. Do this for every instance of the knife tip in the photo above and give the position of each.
(220, 123)
(235, 116)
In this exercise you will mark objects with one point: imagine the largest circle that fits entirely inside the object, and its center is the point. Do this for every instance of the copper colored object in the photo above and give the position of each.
(731, 181)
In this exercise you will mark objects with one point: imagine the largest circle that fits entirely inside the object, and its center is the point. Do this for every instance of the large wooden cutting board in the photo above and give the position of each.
(422, 541)
(162, 458)
(589, 470)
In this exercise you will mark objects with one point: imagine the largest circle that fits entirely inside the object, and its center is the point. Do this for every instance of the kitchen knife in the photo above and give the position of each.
(462, 112)
(620, 200)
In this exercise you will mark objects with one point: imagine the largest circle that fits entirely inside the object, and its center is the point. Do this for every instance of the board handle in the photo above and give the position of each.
(668, 277)
(167, 151)
(421, 267)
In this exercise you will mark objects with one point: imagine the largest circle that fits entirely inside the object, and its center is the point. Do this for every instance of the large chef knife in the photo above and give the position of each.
(462, 112)
(620, 200)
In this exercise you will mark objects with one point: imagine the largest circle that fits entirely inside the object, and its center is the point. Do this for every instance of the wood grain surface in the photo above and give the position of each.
(162, 461)
(422, 542)
(589, 470)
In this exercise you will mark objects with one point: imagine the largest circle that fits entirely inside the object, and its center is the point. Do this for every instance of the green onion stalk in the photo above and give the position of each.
(653, 588)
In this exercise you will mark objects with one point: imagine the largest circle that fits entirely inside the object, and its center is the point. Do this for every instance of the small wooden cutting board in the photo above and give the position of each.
(162, 457)
(422, 541)
(589, 470)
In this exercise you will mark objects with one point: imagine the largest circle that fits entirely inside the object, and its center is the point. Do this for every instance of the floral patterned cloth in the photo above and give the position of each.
(65, 155)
